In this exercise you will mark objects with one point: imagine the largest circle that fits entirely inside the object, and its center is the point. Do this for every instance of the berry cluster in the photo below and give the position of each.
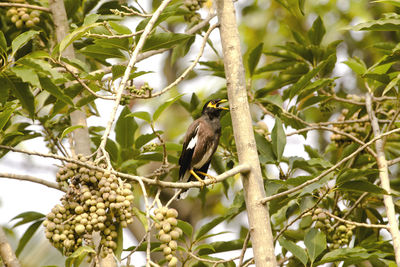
(193, 6)
(21, 17)
(339, 236)
(358, 130)
(168, 233)
(95, 201)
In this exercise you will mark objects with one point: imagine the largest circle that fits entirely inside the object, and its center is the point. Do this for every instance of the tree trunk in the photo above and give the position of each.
(258, 215)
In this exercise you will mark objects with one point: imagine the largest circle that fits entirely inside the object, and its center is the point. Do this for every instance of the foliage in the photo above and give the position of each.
(295, 56)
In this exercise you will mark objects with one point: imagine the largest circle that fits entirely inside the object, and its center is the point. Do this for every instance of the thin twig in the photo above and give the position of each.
(121, 36)
(44, 9)
(246, 241)
(358, 224)
(128, 71)
(188, 69)
(300, 216)
(29, 178)
(79, 80)
(323, 174)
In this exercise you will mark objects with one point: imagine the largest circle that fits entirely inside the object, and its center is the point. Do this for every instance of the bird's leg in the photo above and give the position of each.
(197, 177)
(214, 180)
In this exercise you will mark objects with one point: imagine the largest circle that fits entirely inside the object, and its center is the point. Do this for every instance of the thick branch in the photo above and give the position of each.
(258, 215)
(6, 253)
(384, 177)
(242, 168)
(29, 178)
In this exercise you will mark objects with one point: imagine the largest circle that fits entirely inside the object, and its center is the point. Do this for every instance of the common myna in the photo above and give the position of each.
(201, 141)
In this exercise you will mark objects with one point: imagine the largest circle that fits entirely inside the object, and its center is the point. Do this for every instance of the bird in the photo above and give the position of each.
(200, 143)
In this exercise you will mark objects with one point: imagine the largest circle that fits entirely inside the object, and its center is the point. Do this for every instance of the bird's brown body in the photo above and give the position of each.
(200, 142)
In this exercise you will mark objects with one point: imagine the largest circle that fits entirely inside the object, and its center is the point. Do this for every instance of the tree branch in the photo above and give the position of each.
(242, 168)
(384, 177)
(44, 9)
(29, 178)
(258, 215)
(6, 253)
(358, 224)
(128, 71)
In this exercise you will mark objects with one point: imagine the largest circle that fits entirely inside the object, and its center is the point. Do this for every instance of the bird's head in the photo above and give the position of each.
(212, 108)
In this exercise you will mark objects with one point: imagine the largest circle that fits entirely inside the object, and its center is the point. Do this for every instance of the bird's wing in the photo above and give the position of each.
(188, 148)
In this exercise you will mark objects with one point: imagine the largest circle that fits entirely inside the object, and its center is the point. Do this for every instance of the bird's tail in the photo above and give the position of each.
(183, 193)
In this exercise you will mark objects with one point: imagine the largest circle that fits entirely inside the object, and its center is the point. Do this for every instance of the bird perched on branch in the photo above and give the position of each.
(201, 141)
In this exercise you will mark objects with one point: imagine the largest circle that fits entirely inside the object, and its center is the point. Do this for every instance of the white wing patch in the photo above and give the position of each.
(193, 141)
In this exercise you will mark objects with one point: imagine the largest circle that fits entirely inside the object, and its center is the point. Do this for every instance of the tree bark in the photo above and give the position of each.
(385, 181)
(81, 135)
(258, 215)
(6, 253)
(81, 139)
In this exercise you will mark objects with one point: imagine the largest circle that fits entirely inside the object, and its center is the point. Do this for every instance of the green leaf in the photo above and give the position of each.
(254, 58)
(186, 228)
(144, 139)
(165, 105)
(264, 147)
(301, 6)
(90, 19)
(125, 129)
(21, 40)
(48, 85)
(27, 236)
(392, 2)
(164, 40)
(222, 246)
(141, 216)
(342, 254)
(297, 251)
(353, 174)
(390, 22)
(392, 84)
(76, 34)
(27, 75)
(317, 31)
(120, 242)
(208, 226)
(315, 242)
(357, 65)
(278, 138)
(69, 130)
(23, 93)
(27, 217)
(362, 186)
(306, 79)
(141, 115)
(77, 257)
(3, 43)
(5, 115)
(277, 65)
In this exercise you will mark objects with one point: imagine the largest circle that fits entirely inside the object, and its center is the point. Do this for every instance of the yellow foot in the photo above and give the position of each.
(212, 178)
(198, 178)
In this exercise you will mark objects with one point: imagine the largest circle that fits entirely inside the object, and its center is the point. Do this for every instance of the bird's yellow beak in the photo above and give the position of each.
(223, 101)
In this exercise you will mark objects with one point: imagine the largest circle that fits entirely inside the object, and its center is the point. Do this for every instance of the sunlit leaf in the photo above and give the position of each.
(297, 251)
(28, 234)
(254, 57)
(278, 138)
(315, 242)
(21, 40)
(317, 31)
(165, 105)
(69, 130)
